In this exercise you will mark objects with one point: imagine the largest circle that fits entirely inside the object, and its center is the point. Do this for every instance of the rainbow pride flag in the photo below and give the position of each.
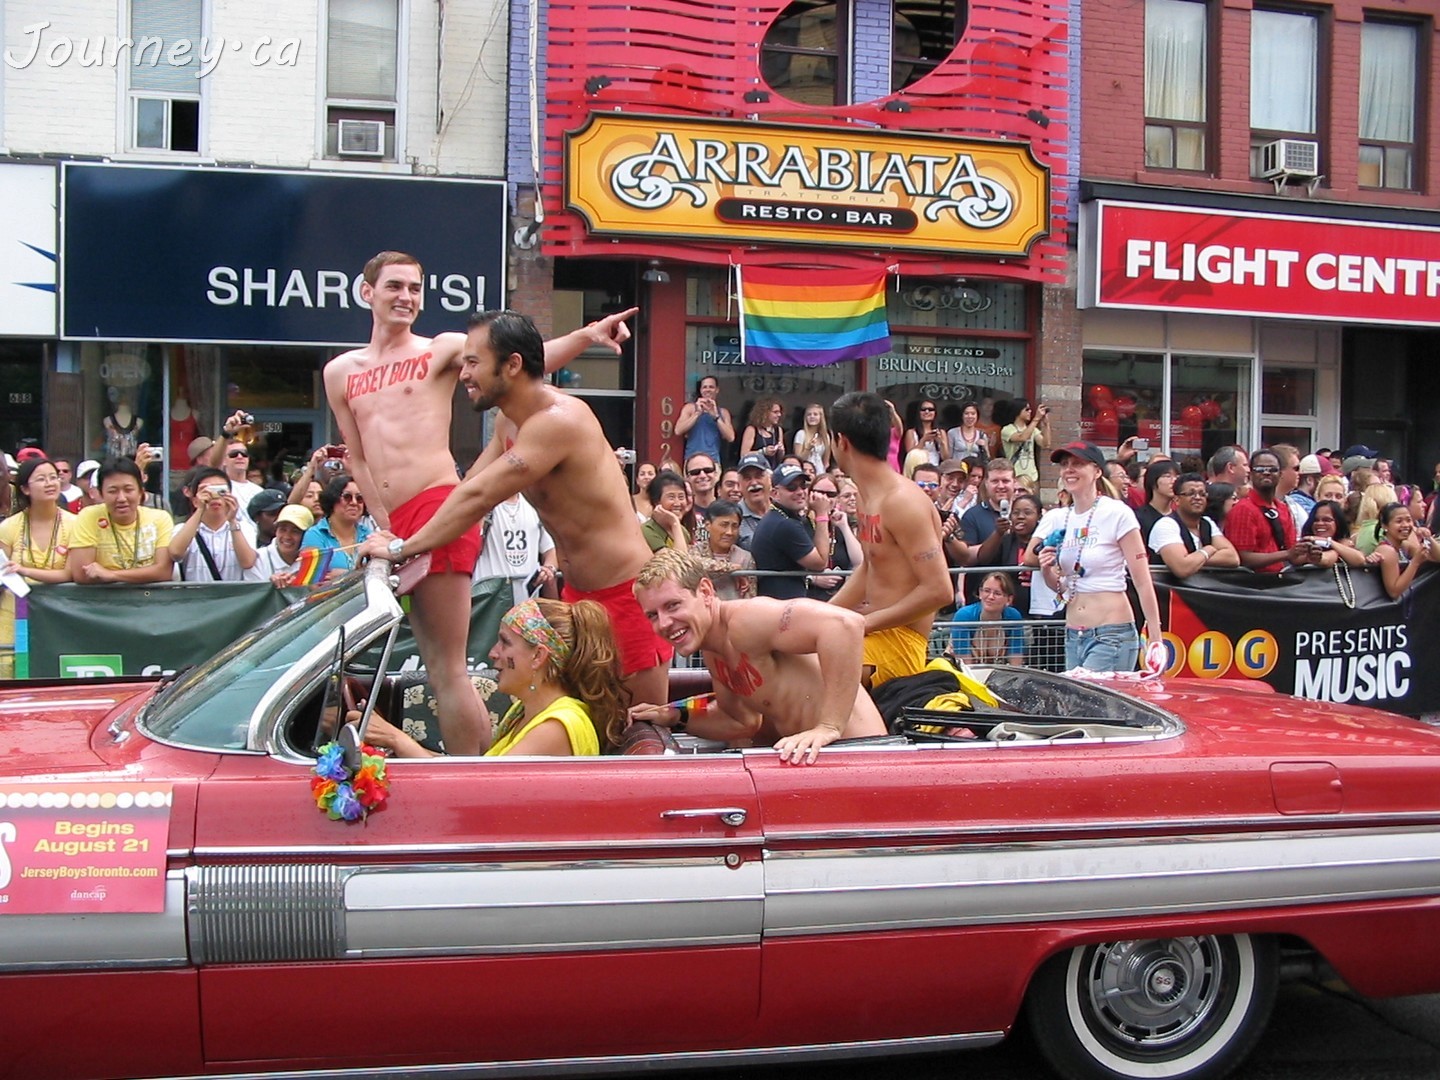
(811, 317)
(312, 566)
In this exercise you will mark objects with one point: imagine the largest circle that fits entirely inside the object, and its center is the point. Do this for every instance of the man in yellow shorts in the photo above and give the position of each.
(903, 580)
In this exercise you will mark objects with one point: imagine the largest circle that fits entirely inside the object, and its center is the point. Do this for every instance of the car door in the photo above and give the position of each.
(493, 910)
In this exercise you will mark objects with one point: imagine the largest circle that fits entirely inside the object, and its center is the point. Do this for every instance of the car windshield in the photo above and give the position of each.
(211, 706)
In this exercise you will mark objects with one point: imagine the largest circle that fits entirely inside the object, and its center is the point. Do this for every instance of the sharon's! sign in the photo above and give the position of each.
(1230, 263)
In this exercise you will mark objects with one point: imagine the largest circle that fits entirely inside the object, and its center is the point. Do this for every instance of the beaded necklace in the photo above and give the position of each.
(1071, 578)
(49, 551)
(120, 557)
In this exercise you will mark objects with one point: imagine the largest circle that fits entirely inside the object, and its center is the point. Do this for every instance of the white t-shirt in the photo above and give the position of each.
(268, 562)
(514, 542)
(222, 550)
(1094, 539)
(244, 491)
(1167, 531)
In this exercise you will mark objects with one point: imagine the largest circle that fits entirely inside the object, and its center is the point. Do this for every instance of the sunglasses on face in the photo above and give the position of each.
(237, 453)
(1264, 468)
(351, 497)
(927, 485)
(699, 472)
(825, 491)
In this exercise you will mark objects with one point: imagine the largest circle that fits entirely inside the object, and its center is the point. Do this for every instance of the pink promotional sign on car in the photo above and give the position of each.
(80, 849)
(1234, 263)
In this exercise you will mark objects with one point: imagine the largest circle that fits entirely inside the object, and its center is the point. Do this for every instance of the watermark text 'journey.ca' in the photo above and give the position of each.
(57, 50)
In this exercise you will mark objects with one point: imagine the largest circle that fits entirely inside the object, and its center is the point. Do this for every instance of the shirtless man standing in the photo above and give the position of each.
(550, 446)
(392, 401)
(902, 581)
(787, 671)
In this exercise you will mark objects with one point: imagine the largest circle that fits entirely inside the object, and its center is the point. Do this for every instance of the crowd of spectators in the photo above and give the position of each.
(783, 522)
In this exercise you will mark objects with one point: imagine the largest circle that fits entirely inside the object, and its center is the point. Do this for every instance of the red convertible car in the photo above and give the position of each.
(1131, 870)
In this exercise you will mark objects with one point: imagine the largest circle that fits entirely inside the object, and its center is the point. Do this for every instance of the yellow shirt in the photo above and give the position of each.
(118, 548)
(569, 711)
(50, 557)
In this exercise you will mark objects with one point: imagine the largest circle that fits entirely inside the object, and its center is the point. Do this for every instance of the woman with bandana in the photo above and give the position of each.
(559, 664)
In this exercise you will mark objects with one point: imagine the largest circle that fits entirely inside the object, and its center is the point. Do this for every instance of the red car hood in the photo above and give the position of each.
(49, 729)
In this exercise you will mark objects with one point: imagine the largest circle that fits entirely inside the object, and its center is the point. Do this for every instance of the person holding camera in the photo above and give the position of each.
(214, 543)
(326, 463)
(1024, 431)
(704, 424)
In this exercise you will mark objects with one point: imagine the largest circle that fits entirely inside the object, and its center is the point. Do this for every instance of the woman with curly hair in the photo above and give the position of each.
(560, 666)
(763, 435)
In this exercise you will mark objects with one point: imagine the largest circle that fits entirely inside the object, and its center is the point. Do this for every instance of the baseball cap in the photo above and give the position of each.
(1085, 451)
(199, 446)
(267, 502)
(1362, 451)
(755, 461)
(85, 468)
(1310, 466)
(1356, 461)
(786, 475)
(30, 453)
(296, 515)
(953, 465)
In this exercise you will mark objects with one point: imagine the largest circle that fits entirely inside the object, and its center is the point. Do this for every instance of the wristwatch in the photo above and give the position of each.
(395, 547)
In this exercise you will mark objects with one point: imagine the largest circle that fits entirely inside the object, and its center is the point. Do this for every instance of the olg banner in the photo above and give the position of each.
(1308, 633)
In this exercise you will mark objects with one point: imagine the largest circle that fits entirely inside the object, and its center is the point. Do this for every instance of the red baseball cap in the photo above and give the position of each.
(30, 453)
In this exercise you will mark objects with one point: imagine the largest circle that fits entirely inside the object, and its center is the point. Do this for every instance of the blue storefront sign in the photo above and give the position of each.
(222, 255)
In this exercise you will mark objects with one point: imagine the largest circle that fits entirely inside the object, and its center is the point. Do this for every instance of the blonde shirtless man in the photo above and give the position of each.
(392, 400)
(550, 446)
(785, 671)
(903, 579)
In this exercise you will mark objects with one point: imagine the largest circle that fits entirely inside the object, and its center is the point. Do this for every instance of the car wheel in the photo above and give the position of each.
(1185, 1008)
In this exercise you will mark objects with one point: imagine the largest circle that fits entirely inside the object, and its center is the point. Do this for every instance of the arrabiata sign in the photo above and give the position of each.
(733, 181)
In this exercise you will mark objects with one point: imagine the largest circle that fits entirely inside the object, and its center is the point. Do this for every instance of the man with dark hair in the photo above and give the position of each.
(550, 445)
(702, 473)
(902, 580)
(927, 478)
(1261, 528)
(120, 539)
(392, 401)
(1185, 539)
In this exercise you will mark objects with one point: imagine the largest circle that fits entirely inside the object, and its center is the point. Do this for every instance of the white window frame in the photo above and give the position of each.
(401, 104)
(128, 116)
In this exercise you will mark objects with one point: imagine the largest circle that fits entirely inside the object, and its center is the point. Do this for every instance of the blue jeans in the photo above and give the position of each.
(1113, 647)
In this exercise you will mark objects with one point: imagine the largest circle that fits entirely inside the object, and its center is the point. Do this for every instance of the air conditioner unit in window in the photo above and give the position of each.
(1290, 159)
(362, 138)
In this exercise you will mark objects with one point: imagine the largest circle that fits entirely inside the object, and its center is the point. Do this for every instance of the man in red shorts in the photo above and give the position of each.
(391, 399)
(550, 445)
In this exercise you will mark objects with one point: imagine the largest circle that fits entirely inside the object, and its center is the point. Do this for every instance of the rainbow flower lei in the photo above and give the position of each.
(342, 796)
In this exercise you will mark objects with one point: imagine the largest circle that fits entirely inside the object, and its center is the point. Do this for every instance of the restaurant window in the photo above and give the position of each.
(1208, 405)
(804, 56)
(924, 34)
(1284, 78)
(1176, 84)
(362, 60)
(1388, 55)
(165, 84)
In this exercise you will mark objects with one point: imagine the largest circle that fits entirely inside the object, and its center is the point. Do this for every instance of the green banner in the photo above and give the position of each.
(79, 631)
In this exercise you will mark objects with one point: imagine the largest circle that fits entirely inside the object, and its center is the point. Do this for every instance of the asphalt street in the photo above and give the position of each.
(1317, 1032)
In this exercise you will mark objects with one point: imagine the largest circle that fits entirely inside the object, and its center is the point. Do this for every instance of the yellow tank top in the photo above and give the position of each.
(569, 711)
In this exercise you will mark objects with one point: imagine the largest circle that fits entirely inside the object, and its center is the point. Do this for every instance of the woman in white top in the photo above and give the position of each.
(812, 441)
(1084, 552)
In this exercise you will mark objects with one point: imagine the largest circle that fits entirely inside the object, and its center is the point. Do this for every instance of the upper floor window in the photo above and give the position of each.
(164, 68)
(1176, 84)
(362, 61)
(805, 56)
(924, 33)
(1388, 54)
(1284, 78)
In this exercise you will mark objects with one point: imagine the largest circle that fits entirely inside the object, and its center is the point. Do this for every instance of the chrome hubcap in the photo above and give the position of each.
(1153, 993)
